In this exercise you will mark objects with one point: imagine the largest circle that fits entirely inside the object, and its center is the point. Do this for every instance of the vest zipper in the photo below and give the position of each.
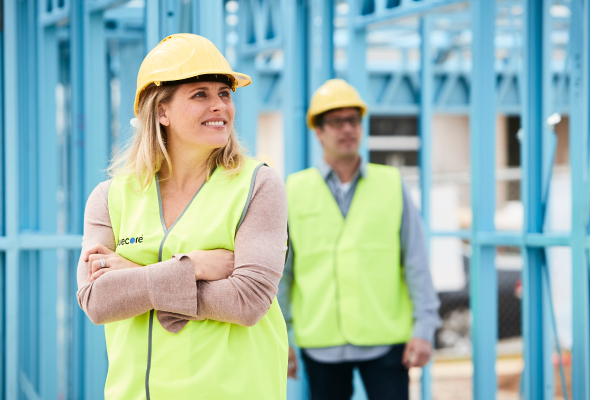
(152, 312)
(149, 360)
(337, 285)
(336, 246)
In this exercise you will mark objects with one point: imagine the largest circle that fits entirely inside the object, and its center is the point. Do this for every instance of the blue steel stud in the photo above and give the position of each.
(78, 199)
(579, 164)
(151, 24)
(248, 100)
(320, 66)
(96, 154)
(425, 156)
(10, 148)
(76, 65)
(2, 194)
(549, 147)
(247, 105)
(169, 17)
(209, 21)
(425, 119)
(356, 60)
(96, 102)
(28, 146)
(294, 85)
(131, 53)
(534, 383)
(483, 276)
(47, 59)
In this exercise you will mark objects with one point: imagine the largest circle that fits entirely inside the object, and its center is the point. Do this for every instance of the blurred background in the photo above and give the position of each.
(483, 105)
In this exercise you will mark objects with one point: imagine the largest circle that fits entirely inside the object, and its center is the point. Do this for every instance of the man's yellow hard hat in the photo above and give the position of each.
(335, 93)
(181, 56)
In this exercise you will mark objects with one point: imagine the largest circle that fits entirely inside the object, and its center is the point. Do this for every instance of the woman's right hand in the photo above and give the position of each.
(212, 265)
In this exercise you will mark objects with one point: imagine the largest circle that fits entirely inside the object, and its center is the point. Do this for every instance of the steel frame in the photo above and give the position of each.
(32, 64)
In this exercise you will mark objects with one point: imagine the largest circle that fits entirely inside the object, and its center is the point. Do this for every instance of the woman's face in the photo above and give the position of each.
(200, 114)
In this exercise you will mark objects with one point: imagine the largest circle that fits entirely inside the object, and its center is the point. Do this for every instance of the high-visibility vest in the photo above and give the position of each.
(207, 360)
(348, 279)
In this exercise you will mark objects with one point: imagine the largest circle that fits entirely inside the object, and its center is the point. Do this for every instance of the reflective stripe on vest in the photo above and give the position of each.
(206, 359)
(348, 285)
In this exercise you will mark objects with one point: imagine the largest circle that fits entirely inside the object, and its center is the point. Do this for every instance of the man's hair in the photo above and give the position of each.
(318, 120)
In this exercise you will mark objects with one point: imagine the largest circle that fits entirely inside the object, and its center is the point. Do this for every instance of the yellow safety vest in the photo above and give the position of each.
(207, 360)
(348, 282)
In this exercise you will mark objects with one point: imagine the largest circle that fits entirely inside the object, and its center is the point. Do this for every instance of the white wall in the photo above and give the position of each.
(270, 143)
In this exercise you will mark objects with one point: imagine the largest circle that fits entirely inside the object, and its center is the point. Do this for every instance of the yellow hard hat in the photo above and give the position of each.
(335, 93)
(181, 56)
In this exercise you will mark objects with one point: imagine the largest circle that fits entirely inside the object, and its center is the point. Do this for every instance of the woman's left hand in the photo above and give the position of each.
(111, 260)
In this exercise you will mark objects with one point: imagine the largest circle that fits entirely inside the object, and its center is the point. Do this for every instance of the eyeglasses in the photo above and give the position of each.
(354, 121)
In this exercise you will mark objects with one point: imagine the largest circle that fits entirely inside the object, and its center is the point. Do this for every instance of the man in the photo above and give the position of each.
(358, 277)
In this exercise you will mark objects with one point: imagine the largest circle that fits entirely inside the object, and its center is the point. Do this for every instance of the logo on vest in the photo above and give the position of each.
(132, 240)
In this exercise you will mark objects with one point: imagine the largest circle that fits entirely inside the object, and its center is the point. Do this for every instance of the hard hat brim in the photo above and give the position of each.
(240, 79)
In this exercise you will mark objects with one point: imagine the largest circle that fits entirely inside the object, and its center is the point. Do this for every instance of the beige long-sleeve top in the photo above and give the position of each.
(170, 286)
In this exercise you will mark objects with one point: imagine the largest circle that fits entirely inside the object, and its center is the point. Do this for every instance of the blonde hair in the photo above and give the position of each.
(146, 151)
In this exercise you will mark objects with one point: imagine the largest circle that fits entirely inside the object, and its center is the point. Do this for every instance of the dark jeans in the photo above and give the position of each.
(384, 378)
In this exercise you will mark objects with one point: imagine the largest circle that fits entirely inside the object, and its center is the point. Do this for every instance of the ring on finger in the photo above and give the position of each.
(102, 263)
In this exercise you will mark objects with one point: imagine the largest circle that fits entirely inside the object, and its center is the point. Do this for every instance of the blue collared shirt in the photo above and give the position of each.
(414, 259)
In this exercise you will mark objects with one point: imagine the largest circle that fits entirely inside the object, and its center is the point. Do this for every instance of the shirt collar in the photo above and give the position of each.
(326, 170)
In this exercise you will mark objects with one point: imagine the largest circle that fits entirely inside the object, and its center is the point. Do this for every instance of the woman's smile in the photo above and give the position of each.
(215, 123)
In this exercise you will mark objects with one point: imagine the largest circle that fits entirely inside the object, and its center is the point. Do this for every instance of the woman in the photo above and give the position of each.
(184, 248)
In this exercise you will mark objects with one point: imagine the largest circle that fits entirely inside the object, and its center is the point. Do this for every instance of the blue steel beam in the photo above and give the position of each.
(76, 374)
(76, 151)
(586, 102)
(512, 238)
(47, 60)
(96, 154)
(405, 9)
(28, 146)
(42, 242)
(2, 213)
(169, 17)
(268, 46)
(294, 85)
(321, 60)
(535, 384)
(96, 115)
(10, 148)
(102, 5)
(356, 67)
(483, 275)
(247, 98)
(131, 56)
(549, 149)
(56, 16)
(258, 30)
(152, 24)
(548, 95)
(579, 164)
(209, 21)
(425, 132)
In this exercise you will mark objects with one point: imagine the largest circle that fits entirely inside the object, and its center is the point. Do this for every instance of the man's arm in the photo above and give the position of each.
(284, 298)
(414, 258)
(285, 288)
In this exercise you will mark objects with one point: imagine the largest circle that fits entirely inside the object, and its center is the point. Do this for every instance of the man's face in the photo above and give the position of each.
(340, 133)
